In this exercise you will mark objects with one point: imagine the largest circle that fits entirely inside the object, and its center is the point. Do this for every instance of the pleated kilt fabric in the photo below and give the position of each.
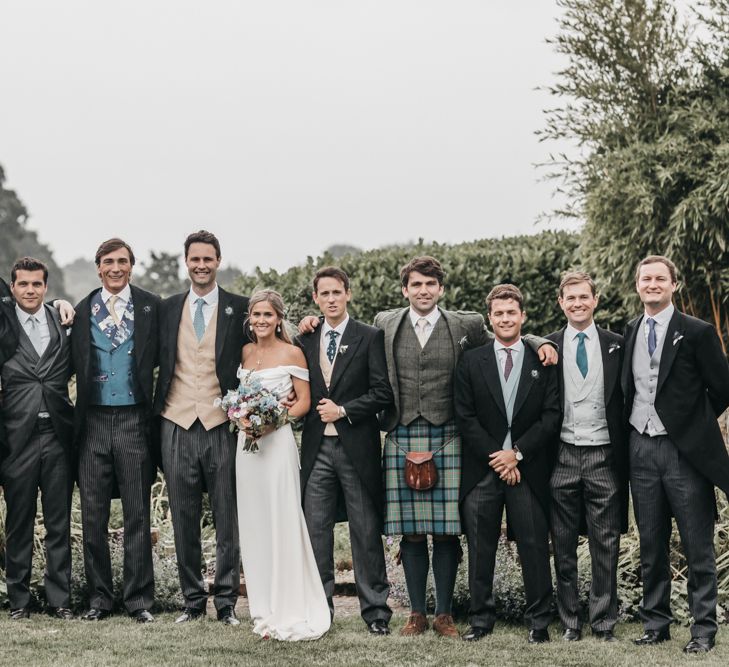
(410, 512)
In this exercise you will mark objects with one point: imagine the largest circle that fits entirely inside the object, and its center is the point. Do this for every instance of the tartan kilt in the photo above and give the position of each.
(436, 511)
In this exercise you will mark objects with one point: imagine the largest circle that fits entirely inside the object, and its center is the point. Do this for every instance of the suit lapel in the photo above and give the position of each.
(455, 329)
(222, 323)
(670, 346)
(141, 325)
(311, 351)
(526, 379)
(490, 370)
(610, 364)
(350, 341)
(52, 350)
(627, 375)
(560, 360)
(82, 332)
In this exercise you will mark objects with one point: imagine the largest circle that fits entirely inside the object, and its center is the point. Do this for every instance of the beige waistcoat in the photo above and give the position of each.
(326, 371)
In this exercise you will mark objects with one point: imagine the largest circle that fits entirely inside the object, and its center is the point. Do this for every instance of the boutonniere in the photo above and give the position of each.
(613, 347)
(229, 310)
(343, 349)
(7, 299)
(95, 309)
(463, 342)
(535, 374)
(677, 337)
(147, 309)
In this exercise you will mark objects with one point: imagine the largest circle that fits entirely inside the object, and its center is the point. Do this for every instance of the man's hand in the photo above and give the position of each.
(65, 310)
(308, 324)
(503, 462)
(328, 410)
(548, 355)
(512, 478)
(290, 399)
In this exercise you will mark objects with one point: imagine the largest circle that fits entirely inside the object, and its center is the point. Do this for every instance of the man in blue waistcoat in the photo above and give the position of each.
(114, 343)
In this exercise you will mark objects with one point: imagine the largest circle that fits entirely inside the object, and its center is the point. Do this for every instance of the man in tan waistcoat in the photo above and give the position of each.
(201, 335)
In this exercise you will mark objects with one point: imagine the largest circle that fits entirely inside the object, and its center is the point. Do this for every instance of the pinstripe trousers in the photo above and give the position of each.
(584, 485)
(115, 449)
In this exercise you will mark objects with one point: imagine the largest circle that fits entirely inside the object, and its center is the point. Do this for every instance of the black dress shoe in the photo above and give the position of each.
(189, 614)
(20, 613)
(96, 614)
(572, 634)
(699, 645)
(378, 627)
(227, 615)
(63, 613)
(142, 616)
(538, 636)
(604, 635)
(653, 637)
(475, 632)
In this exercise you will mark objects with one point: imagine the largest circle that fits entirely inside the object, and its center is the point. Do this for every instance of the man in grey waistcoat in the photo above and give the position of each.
(38, 417)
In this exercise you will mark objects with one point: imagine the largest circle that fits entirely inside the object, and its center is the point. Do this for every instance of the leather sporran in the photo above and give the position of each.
(420, 471)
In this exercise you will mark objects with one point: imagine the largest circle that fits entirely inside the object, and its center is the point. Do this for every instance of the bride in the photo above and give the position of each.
(285, 593)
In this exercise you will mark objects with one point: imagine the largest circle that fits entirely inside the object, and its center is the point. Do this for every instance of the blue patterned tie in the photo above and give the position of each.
(651, 336)
(198, 321)
(332, 347)
(581, 357)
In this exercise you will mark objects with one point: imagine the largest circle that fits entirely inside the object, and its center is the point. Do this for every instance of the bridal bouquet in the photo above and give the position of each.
(252, 409)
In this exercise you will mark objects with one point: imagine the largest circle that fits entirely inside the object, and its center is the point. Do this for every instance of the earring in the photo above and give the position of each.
(278, 328)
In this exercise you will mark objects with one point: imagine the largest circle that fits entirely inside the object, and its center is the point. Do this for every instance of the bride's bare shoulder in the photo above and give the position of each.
(294, 356)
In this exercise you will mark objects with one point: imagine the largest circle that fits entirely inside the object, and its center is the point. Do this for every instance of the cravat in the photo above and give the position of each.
(651, 336)
(111, 305)
(509, 363)
(35, 335)
(420, 327)
(332, 347)
(198, 321)
(581, 357)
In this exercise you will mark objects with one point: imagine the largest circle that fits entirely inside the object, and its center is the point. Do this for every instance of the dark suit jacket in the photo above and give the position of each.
(612, 348)
(359, 383)
(145, 352)
(230, 337)
(482, 422)
(692, 391)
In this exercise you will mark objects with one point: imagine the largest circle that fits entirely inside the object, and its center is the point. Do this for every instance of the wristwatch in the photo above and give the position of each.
(518, 454)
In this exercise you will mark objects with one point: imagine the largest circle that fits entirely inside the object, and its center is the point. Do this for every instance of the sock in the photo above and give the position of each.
(445, 568)
(415, 563)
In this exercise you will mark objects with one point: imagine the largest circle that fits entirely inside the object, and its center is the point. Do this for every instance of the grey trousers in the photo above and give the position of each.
(664, 483)
(333, 469)
(584, 483)
(193, 459)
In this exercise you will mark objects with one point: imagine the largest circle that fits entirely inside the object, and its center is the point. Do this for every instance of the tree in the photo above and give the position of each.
(647, 109)
(161, 274)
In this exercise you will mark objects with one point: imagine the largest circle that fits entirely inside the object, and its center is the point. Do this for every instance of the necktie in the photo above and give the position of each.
(332, 347)
(651, 336)
(509, 365)
(35, 335)
(581, 357)
(198, 321)
(111, 305)
(420, 326)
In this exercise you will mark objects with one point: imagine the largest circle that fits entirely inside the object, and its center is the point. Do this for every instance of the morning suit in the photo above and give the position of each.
(677, 456)
(198, 450)
(589, 482)
(114, 366)
(38, 416)
(492, 414)
(346, 454)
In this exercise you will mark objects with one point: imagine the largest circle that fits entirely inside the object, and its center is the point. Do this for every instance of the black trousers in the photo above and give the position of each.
(664, 483)
(42, 464)
(193, 459)
(482, 511)
(584, 482)
(115, 448)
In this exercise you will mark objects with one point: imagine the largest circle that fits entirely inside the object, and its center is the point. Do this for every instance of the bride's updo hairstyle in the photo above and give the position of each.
(274, 298)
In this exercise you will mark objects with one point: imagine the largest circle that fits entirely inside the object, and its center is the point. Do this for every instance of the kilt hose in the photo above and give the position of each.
(434, 512)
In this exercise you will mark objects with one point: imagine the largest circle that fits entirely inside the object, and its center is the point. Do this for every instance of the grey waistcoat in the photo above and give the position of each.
(643, 416)
(509, 389)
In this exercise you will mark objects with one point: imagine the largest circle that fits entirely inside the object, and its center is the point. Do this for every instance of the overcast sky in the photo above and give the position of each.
(282, 126)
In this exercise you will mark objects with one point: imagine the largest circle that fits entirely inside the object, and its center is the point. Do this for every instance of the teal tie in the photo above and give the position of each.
(198, 321)
(581, 357)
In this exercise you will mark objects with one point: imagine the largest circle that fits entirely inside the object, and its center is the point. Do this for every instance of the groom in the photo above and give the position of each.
(202, 335)
(340, 445)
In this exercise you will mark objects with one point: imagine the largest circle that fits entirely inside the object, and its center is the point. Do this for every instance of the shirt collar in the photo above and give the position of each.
(433, 316)
(662, 318)
(570, 332)
(516, 347)
(326, 328)
(210, 299)
(23, 316)
(124, 296)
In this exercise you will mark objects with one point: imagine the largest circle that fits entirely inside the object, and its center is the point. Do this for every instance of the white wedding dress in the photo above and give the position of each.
(285, 593)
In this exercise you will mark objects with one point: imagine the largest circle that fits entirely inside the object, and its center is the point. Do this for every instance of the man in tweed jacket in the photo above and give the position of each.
(423, 344)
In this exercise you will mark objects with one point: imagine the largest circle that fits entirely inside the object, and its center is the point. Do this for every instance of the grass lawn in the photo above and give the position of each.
(119, 641)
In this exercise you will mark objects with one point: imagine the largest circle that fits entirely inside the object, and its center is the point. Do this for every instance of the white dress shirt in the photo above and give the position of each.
(122, 300)
(431, 318)
(211, 303)
(516, 348)
(662, 319)
(569, 354)
(24, 319)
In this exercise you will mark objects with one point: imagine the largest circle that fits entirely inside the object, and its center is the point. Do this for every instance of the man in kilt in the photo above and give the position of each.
(423, 344)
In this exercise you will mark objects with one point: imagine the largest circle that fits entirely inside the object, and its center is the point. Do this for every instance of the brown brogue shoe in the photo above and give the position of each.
(444, 626)
(417, 624)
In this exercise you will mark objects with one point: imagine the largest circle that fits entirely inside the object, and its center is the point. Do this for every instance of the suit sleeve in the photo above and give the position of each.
(541, 433)
(535, 342)
(714, 369)
(379, 396)
(474, 436)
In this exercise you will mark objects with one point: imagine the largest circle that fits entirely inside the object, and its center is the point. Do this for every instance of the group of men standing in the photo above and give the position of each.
(554, 439)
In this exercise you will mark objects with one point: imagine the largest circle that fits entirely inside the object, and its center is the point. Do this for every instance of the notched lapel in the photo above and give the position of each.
(670, 348)
(351, 340)
(223, 321)
(627, 375)
(142, 324)
(490, 370)
(526, 380)
(610, 364)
